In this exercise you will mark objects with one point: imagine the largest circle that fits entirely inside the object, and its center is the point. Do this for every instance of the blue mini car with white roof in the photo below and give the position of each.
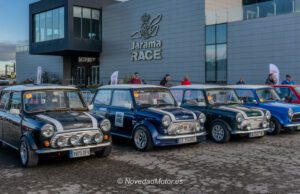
(284, 115)
(148, 115)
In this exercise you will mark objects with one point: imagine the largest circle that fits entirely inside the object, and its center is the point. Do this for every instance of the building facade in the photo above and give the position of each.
(212, 41)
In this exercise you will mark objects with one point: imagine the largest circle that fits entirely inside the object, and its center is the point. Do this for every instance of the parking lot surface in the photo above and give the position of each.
(265, 165)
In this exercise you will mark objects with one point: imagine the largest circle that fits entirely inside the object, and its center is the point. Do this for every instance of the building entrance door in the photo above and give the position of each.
(80, 76)
(95, 75)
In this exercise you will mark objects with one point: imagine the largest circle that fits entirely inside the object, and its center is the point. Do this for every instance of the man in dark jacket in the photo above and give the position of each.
(166, 81)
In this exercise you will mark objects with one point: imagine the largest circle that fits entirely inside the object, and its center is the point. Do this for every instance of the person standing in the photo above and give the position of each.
(288, 80)
(166, 81)
(136, 79)
(270, 80)
(186, 81)
(241, 81)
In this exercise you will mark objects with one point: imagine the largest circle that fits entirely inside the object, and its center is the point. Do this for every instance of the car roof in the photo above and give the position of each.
(288, 86)
(199, 86)
(32, 87)
(130, 86)
(255, 87)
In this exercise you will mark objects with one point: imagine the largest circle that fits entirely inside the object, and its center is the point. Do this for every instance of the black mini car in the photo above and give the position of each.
(39, 120)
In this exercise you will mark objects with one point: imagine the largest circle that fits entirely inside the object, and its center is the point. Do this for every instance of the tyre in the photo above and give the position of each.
(219, 132)
(1, 144)
(28, 156)
(275, 127)
(105, 152)
(142, 139)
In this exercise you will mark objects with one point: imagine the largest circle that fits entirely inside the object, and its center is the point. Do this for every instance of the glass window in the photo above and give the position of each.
(250, 11)
(122, 98)
(4, 103)
(221, 62)
(95, 24)
(246, 95)
(16, 101)
(221, 33)
(61, 22)
(284, 6)
(268, 94)
(266, 9)
(77, 11)
(210, 63)
(49, 25)
(178, 95)
(210, 34)
(86, 23)
(194, 98)
(37, 27)
(103, 97)
(222, 96)
(283, 92)
(153, 98)
(297, 5)
(42, 27)
(55, 17)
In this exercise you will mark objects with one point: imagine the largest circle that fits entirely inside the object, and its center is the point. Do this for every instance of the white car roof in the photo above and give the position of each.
(255, 87)
(130, 86)
(199, 86)
(38, 87)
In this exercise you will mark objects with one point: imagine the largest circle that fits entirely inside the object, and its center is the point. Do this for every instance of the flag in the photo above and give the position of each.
(114, 78)
(275, 71)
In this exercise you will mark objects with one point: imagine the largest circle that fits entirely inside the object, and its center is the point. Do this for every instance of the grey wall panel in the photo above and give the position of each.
(26, 65)
(254, 44)
(182, 31)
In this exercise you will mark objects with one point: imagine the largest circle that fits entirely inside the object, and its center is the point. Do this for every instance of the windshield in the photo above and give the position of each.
(42, 101)
(149, 98)
(221, 96)
(297, 89)
(267, 94)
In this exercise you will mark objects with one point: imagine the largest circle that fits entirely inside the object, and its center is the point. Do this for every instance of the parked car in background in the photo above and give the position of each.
(289, 93)
(148, 115)
(38, 120)
(87, 95)
(225, 114)
(284, 115)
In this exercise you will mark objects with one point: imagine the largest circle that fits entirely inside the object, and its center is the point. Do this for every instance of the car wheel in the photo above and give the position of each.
(275, 127)
(105, 152)
(1, 144)
(142, 139)
(28, 156)
(219, 132)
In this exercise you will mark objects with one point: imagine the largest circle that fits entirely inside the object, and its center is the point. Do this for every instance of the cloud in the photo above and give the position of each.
(7, 51)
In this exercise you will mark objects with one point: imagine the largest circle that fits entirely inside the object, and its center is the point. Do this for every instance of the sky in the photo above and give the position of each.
(14, 27)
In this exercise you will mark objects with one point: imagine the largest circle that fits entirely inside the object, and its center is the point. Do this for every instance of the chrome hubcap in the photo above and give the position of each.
(23, 153)
(140, 139)
(272, 126)
(218, 132)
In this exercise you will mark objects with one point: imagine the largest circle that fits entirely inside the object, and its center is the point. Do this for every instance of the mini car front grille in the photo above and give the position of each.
(254, 123)
(68, 135)
(296, 117)
(182, 128)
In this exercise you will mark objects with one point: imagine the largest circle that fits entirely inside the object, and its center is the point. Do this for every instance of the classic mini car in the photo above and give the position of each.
(284, 115)
(54, 120)
(289, 93)
(225, 114)
(148, 115)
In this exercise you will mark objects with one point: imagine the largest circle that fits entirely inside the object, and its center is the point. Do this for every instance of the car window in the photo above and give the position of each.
(246, 95)
(4, 102)
(194, 97)
(283, 92)
(74, 99)
(122, 98)
(103, 97)
(178, 95)
(16, 101)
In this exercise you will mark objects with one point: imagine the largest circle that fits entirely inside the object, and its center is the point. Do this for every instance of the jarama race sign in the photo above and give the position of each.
(147, 50)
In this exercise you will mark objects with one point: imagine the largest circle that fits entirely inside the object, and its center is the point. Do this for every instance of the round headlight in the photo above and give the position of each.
(166, 121)
(198, 127)
(239, 118)
(268, 115)
(47, 130)
(74, 140)
(290, 113)
(61, 142)
(105, 125)
(98, 138)
(87, 139)
(202, 118)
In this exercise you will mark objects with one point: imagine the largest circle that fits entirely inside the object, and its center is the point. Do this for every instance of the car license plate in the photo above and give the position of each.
(187, 140)
(79, 153)
(257, 134)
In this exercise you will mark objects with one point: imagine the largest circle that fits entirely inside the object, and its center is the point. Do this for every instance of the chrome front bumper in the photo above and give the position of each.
(292, 125)
(174, 137)
(49, 150)
(251, 131)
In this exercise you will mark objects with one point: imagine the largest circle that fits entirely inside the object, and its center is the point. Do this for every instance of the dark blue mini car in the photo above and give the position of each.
(284, 115)
(148, 115)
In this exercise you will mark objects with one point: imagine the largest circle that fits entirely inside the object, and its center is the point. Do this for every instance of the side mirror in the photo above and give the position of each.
(91, 107)
(14, 111)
